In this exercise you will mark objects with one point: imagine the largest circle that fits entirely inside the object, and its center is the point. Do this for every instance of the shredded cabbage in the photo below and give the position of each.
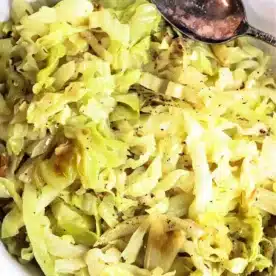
(128, 150)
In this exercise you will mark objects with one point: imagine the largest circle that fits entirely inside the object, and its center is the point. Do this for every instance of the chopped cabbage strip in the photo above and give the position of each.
(136, 242)
(36, 230)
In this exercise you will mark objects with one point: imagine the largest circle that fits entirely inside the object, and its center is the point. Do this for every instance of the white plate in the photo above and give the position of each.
(261, 14)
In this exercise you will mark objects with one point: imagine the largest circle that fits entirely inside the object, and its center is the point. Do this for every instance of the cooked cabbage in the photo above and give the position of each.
(128, 150)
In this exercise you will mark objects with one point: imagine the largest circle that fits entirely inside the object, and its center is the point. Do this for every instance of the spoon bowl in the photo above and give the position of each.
(210, 21)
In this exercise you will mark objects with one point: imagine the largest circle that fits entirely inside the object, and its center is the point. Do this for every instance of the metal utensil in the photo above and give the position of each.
(211, 21)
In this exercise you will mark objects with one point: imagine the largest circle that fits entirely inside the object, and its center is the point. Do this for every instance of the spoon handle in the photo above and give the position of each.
(268, 38)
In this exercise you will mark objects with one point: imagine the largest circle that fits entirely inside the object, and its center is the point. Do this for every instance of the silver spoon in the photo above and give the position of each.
(211, 21)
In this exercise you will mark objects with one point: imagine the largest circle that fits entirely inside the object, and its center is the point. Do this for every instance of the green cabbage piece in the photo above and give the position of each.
(36, 230)
(143, 21)
(4, 192)
(96, 152)
(111, 25)
(12, 187)
(50, 104)
(16, 133)
(20, 9)
(71, 222)
(117, 4)
(12, 223)
(70, 266)
(73, 11)
(143, 182)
